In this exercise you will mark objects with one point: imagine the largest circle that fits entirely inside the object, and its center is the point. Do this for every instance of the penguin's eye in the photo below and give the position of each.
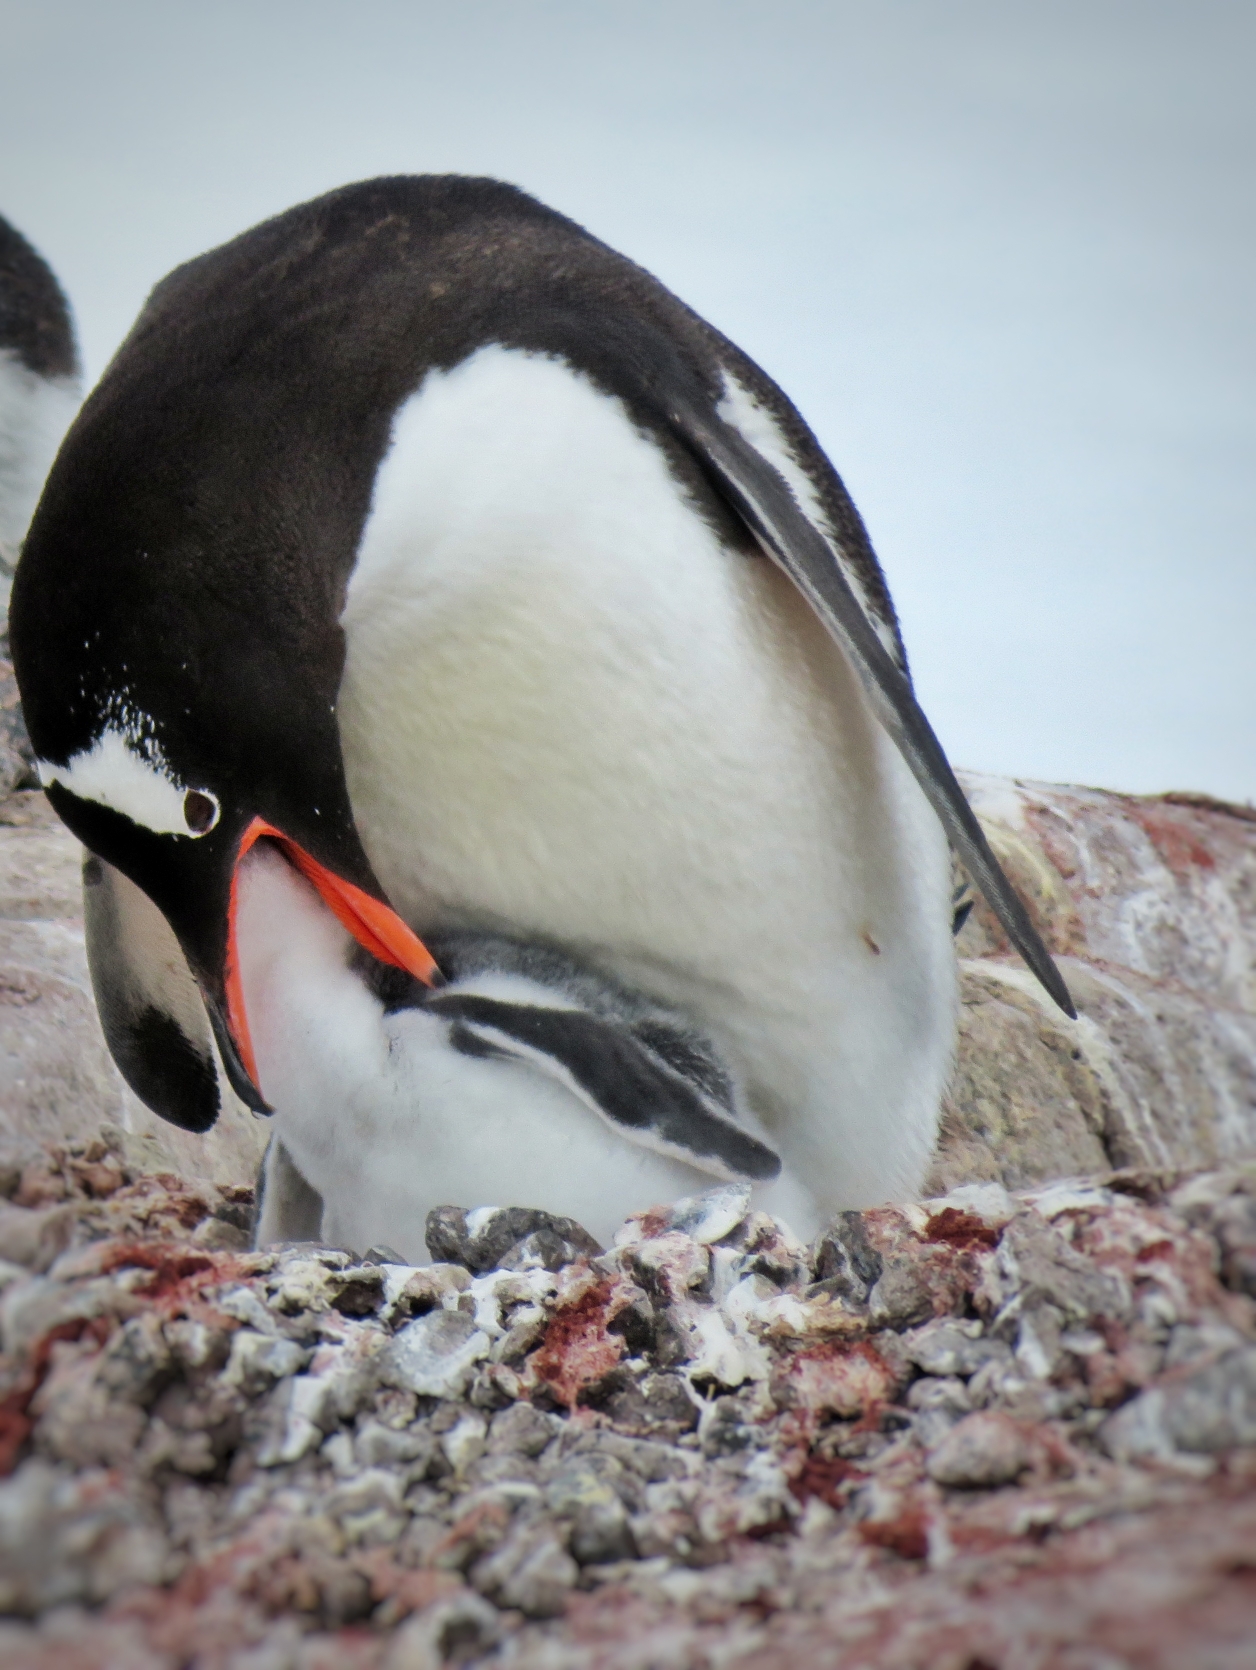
(200, 811)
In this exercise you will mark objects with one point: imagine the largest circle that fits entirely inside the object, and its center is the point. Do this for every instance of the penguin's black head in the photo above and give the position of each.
(177, 821)
(175, 615)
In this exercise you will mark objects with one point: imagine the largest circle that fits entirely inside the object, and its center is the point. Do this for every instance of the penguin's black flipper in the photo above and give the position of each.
(150, 1009)
(645, 1081)
(765, 502)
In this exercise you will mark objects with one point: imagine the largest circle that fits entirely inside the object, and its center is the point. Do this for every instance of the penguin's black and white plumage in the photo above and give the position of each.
(39, 387)
(419, 538)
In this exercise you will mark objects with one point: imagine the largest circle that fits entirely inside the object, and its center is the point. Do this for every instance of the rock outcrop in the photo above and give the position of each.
(1149, 903)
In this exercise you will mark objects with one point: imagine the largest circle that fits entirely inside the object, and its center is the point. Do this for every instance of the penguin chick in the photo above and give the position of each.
(527, 1079)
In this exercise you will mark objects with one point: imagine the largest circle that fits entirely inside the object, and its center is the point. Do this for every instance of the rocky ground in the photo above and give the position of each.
(984, 1431)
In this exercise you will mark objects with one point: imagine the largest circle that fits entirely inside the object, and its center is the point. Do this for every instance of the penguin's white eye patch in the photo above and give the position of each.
(133, 779)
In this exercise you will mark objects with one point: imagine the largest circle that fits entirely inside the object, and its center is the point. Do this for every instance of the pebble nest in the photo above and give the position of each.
(979, 1433)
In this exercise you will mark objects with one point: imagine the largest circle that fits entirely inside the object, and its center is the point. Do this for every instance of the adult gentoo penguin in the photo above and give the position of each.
(422, 538)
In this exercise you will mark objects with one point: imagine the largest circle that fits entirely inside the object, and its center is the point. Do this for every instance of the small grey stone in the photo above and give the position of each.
(372, 1488)
(502, 1468)
(435, 1354)
(657, 1404)
(237, 1208)
(358, 1291)
(415, 1292)
(506, 1238)
(376, 1445)
(213, 1235)
(522, 1430)
(1038, 1266)
(931, 1393)
(984, 1449)
(464, 1442)
(950, 1346)
(649, 1461)
(711, 1215)
(450, 1631)
(900, 1298)
(549, 1248)
(526, 1326)
(931, 1426)
(258, 1359)
(1191, 1340)
(725, 1428)
(937, 1406)
(585, 1481)
(845, 1260)
(531, 1570)
(1039, 1343)
(488, 1392)
(425, 1532)
(1211, 1410)
(136, 1363)
(35, 1238)
(601, 1533)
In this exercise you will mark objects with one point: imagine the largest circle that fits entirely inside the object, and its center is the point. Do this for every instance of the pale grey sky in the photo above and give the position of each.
(1001, 256)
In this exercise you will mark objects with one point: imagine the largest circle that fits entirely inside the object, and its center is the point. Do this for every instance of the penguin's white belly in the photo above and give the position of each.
(570, 710)
(386, 1120)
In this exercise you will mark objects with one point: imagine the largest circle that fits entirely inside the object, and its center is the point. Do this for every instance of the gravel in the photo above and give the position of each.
(704, 1442)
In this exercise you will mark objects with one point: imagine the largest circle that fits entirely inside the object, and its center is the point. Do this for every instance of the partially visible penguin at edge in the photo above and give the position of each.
(39, 395)
(39, 388)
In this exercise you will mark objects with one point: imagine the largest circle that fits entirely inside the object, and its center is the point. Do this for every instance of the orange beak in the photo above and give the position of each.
(373, 924)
